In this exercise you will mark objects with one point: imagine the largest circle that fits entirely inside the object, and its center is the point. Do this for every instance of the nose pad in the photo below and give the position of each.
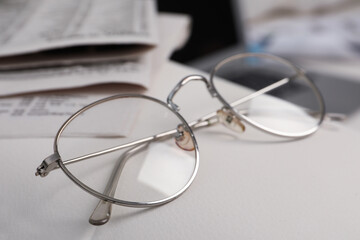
(183, 139)
(230, 120)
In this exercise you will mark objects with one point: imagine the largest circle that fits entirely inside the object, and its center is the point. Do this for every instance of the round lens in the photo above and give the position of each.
(269, 93)
(129, 148)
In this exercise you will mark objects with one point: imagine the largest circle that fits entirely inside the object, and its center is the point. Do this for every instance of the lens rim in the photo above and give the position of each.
(117, 201)
(259, 125)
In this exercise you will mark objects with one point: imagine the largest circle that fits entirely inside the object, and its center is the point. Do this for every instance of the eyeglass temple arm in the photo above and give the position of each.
(201, 121)
(260, 92)
(102, 211)
(50, 163)
(183, 82)
(331, 116)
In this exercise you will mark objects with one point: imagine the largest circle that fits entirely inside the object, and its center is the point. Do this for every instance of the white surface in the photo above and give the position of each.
(176, 168)
(249, 186)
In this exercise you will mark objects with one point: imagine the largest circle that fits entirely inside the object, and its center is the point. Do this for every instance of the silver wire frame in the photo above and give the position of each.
(258, 125)
(54, 161)
(135, 143)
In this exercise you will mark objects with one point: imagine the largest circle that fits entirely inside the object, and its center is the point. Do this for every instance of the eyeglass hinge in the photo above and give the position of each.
(49, 164)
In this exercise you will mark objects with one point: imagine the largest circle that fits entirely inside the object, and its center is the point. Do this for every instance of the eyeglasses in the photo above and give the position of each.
(140, 152)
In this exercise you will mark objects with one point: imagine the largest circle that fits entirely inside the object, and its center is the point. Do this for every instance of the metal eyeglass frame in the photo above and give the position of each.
(102, 212)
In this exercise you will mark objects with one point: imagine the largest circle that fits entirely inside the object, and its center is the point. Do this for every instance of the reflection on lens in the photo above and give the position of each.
(270, 93)
(131, 140)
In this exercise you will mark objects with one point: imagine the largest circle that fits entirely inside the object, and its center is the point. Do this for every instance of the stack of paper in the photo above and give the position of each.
(80, 43)
(89, 48)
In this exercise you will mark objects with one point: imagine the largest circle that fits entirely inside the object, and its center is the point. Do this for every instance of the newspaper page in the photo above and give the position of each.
(131, 71)
(33, 31)
(93, 41)
(41, 115)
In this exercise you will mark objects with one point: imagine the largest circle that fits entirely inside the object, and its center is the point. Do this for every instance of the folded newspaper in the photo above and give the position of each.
(47, 111)
(37, 33)
(88, 49)
(92, 42)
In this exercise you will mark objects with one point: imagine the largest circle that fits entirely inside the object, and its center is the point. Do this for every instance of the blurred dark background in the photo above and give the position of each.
(221, 28)
(214, 26)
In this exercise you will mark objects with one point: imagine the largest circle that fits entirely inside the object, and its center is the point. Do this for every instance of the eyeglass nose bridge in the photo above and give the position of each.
(183, 82)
